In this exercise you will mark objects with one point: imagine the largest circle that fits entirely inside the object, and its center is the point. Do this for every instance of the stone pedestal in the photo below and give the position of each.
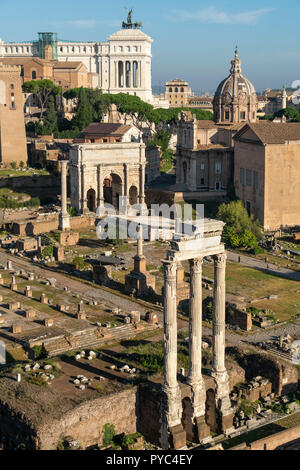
(44, 299)
(139, 280)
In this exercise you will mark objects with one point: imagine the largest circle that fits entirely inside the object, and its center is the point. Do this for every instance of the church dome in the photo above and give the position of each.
(235, 100)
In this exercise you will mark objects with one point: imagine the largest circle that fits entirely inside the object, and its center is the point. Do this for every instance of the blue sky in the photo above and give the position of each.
(194, 39)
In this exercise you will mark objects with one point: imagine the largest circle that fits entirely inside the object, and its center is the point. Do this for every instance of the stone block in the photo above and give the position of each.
(48, 322)
(30, 314)
(14, 306)
(177, 437)
(16, 329)
(135, 317)
(44, 299)
(152, 318)
(59, 253)
(68, 238)
(28, 292)
(81, 316)
(202, 429)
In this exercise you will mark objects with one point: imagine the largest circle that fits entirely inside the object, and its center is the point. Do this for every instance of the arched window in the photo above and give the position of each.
(182, 90)
(33, 75)
(170, 90)
(176, 90)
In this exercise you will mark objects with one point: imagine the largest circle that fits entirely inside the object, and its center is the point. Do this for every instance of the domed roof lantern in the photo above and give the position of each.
(236, 63)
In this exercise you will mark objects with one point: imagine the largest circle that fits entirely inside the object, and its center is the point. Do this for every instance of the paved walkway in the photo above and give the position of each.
(264, 267)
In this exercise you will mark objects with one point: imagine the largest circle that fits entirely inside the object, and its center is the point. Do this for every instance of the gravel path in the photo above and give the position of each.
(262, 266)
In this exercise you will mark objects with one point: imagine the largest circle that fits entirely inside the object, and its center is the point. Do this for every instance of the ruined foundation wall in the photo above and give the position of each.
(272, 442)
(85, 422)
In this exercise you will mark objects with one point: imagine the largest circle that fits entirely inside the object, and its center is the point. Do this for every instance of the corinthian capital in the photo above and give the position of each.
(170, 270)
(220, 260)
(196, 265)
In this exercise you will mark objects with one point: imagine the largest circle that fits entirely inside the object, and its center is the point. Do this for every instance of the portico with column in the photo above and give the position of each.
(206, 242)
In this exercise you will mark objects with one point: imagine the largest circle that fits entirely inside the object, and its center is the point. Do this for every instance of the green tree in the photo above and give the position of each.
(290, 113)
(42, 89)
(50, 122)
(84, 113)
(235, 215)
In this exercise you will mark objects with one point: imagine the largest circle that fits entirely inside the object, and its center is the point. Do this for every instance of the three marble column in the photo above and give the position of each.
(172, 403)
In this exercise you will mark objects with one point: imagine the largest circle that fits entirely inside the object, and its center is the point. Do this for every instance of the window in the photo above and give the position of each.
(202, 166)
(182, 90)
(249, 178)
(218, 167)
(202, 182)
(170, 90)
(33, 75)
(248, 207)
(255, 177)
(243, 115)
(242, 176)
(12, 86)
(227, 115)
(176, 90)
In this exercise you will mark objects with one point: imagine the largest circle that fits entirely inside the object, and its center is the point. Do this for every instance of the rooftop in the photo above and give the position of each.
(273, 133)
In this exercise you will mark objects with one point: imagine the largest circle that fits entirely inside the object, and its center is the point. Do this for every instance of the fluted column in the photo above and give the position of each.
(171, 405)
(195, 338)
(170, 324)
(219, 314)
(64, 219)
(199, 430)
(219, 373)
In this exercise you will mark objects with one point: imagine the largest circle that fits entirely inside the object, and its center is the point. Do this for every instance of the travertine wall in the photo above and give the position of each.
(86, 421)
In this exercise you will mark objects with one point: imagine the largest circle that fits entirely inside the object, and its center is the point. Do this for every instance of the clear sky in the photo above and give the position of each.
(194, 39)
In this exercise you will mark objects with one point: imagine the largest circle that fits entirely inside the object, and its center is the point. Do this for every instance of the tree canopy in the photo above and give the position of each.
(42, 89)
(241, 229)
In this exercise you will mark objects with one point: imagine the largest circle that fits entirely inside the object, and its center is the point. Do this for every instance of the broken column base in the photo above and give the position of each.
(172, 434)
(225, 421)
(202, 430)
(177, 437)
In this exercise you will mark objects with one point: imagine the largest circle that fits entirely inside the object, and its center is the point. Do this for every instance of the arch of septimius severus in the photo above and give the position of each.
(206, 243)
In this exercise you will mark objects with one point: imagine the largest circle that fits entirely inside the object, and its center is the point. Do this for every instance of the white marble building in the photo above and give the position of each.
(104, 173)
(123, 62)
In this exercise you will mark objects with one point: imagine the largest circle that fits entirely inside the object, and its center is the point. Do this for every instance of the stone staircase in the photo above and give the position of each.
(89, 339)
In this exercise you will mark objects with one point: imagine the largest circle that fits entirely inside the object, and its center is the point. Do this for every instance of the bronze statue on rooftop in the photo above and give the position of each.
(129, 24)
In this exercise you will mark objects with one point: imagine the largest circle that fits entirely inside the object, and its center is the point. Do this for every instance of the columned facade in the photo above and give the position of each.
(106, 174)
(194, 249)
(123, 62)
